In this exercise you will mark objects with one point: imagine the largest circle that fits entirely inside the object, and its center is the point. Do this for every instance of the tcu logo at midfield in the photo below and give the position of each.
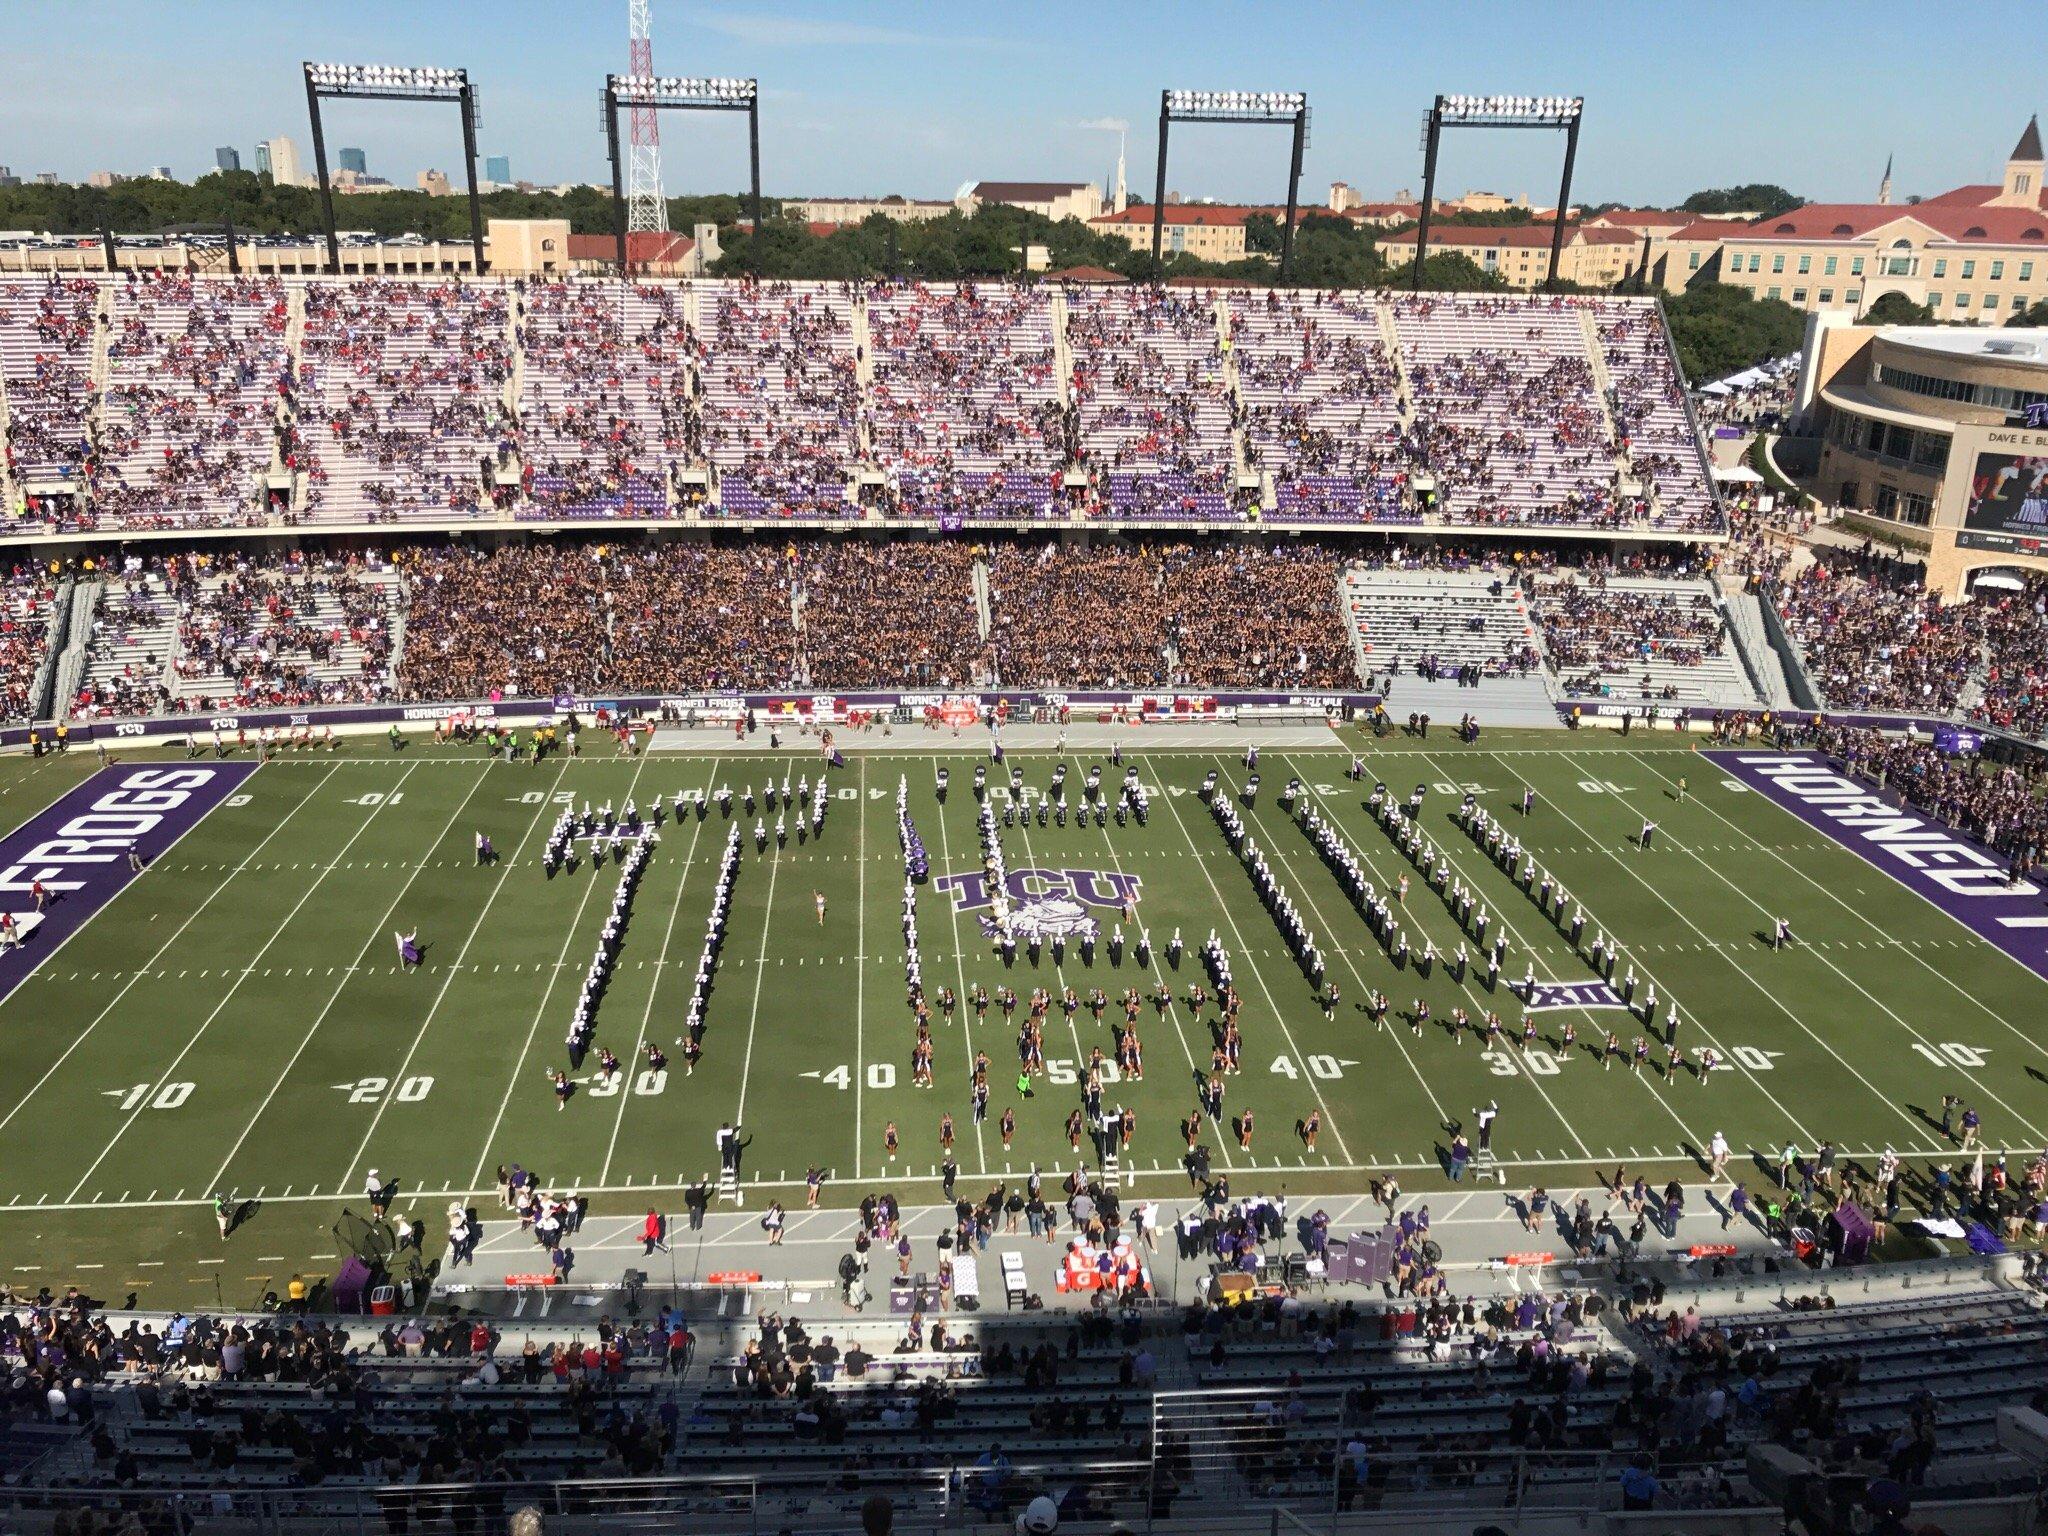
(1046, 901)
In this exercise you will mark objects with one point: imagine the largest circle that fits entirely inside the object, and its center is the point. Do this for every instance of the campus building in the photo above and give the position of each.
(1594, 256)
(1924, 430)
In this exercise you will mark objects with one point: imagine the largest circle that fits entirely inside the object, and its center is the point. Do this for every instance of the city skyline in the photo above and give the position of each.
(916, 99)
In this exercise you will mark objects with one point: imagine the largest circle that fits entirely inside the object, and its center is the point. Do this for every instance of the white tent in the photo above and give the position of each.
(1999, 580)
(1737, 474)
(1717, 389)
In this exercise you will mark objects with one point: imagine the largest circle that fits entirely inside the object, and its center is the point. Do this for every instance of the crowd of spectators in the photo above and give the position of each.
(600, 409)
(47, 328)
(597, 617)
(2015, 692)
(297, 630)
(2000, 804)
(1875, 639)
(197, 370)
(26, 597)
(1299, 639)
(781, 393)
(1093, 619)
(878, 615)
(402, 399)
(965, 411)
(1589, 625)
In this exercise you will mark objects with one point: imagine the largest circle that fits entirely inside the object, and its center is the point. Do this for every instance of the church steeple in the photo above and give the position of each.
(1884, 187)
(2023, 170)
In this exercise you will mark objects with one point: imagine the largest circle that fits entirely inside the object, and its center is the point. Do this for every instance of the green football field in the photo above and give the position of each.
(236, 1019)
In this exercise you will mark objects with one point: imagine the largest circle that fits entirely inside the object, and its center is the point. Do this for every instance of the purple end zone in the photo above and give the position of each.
(78, 848)
(1958, 874)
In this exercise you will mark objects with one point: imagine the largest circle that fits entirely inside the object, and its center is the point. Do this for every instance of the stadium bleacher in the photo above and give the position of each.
(311, 403)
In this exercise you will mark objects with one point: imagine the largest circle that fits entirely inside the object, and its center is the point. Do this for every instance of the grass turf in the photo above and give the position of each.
(237, 1018)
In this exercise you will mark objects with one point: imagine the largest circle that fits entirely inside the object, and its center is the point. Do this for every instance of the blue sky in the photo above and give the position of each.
(918, 98)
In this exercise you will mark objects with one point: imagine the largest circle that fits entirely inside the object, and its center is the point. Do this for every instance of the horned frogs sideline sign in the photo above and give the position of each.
(77, 849)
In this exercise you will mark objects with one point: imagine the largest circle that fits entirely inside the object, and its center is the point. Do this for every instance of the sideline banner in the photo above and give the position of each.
(78, 848)
(1959, 875)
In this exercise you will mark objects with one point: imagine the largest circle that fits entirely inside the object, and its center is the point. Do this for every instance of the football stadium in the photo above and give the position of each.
(791, 880)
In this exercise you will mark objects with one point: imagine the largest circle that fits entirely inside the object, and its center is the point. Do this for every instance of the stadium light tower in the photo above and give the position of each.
(1498, 112)
(646, 208)
(657, 93)
(1234, 107)
(393, 82)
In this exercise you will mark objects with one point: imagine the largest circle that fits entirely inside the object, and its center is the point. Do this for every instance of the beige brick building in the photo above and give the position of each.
(1594, 256)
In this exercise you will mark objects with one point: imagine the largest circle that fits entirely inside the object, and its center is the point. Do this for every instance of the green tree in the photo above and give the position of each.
(1897, 309)
(1262, 233)
(1719, 329)
(1761, 197)
(2038, 315)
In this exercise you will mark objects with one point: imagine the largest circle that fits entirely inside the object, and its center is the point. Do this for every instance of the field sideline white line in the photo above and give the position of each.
(1875, 927)
(631, 1073)
(163, 948)
(1455, 846)
(1877, 1002)
(1739, 968)
(547, 993)
(1272, 1002)
(319, 1019)
(234, 987)
(1173, 1172)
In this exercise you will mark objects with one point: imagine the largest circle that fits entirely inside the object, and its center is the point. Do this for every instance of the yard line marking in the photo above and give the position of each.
(654, 986)
(1158, 971)
(1742, 970)
(1443, 1115)
(1452, 851)
(235, 986)
(376, 932)
(546, 995)
(1059, 967)
(1875, 1000)
(760, 975)
(1173, 806)
(114, 1001)
(1832, 895)
(860, 986)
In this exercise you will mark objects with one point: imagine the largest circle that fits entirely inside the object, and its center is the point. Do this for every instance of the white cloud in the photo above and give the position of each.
(1107, 124)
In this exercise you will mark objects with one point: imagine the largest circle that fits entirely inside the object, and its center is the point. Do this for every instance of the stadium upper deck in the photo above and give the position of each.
(180, 404)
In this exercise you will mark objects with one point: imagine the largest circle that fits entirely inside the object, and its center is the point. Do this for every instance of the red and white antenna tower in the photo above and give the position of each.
(646, 208)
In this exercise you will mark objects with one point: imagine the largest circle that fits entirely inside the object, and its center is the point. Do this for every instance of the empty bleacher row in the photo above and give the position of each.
(1284, 1401)
(181, 401)
(1639, 637)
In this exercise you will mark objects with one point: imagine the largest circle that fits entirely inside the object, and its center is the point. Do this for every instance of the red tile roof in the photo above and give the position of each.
(1949, 221)
(1714, 229)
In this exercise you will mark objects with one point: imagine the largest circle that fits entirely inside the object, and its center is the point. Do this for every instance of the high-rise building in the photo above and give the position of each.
(227, 158)
(161, 173)
(280, 156)
(355, 160)
(8, 178)
(101, 179)
(498, 168)
(435, 183)
(46, 178)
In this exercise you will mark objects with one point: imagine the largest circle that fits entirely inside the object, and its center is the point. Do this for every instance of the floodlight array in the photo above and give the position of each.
(1510, 109)
(385, 77)
(1278, 104)
(680, 90)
